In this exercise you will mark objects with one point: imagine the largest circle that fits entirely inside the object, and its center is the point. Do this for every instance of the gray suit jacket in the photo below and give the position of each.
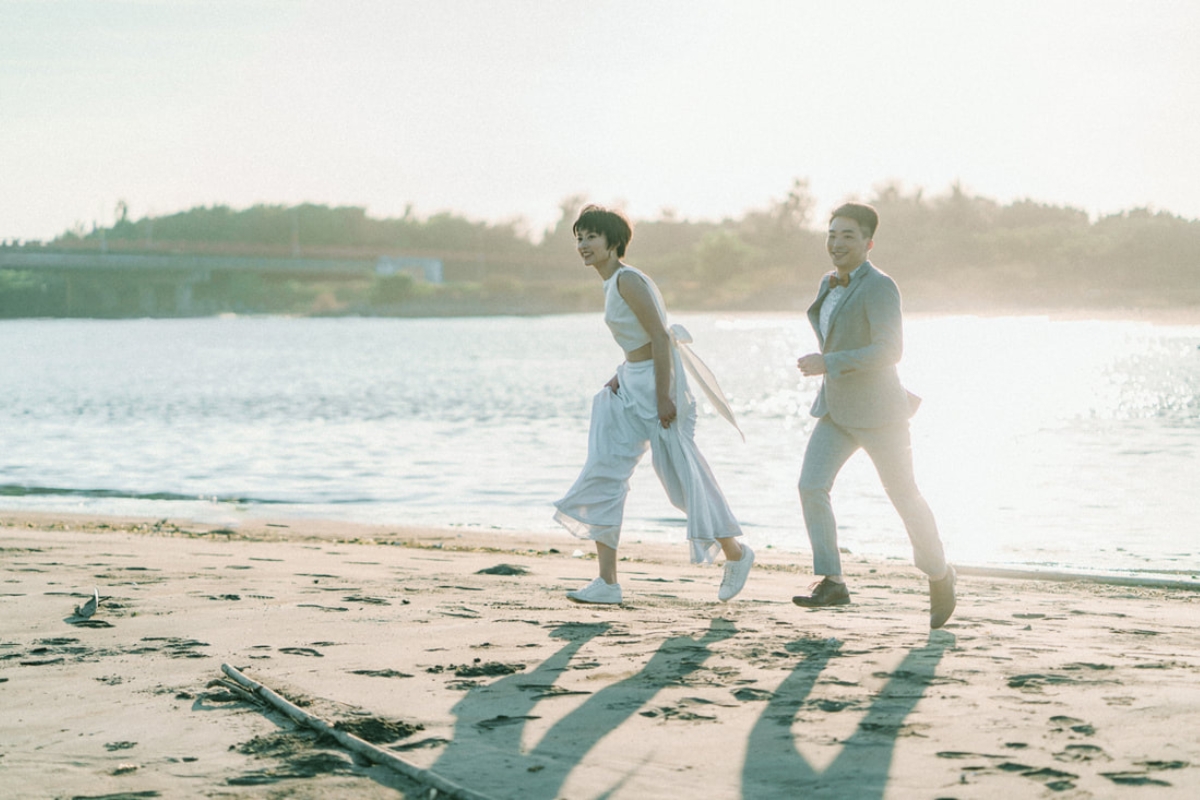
(861, 388)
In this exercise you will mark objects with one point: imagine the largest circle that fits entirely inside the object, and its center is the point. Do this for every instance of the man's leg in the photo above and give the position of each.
(828, 449)
(890, 449)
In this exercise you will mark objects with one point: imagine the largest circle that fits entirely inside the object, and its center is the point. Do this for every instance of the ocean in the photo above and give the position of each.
(1040, 443)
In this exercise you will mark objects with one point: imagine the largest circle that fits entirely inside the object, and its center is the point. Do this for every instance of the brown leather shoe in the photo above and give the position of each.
(941, 599)
(826, 593)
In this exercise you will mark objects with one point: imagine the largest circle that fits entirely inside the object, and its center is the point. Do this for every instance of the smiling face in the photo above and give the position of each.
(847, 245)
(595, 251)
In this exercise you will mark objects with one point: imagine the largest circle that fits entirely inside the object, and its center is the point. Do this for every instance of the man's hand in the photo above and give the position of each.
(811, 364)
(613, 385)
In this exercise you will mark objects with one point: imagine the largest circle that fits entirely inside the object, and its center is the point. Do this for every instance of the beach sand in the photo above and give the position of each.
(498, 684)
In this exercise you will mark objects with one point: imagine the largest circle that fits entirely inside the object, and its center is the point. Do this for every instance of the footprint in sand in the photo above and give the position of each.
(380, 673)
(1036, 682)
(302, 651)
(504, 569)
(831, 706)
(1082, 753)
(378, 730)
(260, 648)
(420, 744)
(1063, 723)
(682, 711)
(478, 669)
(41, 662)
(1134, 631)
(171, 646)
(1133, 779)
(462, 611)
(543, 691)
(962, 754)
(502, 721)
(298, 767)
(1054, 779)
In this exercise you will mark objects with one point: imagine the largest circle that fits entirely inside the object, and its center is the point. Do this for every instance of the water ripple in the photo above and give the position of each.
(1061, 441)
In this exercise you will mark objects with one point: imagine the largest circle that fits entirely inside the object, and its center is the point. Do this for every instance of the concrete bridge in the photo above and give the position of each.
(166, 281)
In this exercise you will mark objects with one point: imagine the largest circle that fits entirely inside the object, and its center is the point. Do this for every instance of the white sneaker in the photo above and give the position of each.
(597, 592)
(735, 575)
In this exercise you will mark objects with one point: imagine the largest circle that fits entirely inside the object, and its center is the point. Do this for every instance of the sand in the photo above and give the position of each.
(495, 682)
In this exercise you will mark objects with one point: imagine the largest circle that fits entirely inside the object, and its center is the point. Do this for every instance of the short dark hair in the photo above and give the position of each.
(615, 226)
(866, 216)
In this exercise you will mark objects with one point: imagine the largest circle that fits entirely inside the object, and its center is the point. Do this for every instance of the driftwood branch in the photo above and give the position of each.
(237, 691)
(376, 755)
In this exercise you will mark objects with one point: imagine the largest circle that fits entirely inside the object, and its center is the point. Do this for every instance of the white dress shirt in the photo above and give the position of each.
(831, 302)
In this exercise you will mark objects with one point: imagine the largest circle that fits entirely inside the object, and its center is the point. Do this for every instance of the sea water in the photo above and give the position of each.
(1065, 444)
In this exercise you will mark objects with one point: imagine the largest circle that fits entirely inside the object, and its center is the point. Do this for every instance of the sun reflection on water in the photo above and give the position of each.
(1031, 431)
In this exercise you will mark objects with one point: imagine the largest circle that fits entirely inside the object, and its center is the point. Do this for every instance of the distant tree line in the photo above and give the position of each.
(952, 251)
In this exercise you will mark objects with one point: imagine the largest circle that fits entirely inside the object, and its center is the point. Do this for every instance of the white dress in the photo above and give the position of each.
(624, 424)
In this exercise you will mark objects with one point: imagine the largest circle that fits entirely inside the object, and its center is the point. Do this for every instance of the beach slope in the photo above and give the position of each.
(457, 653)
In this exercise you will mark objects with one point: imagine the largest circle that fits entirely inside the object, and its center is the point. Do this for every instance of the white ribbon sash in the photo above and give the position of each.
(703, 375)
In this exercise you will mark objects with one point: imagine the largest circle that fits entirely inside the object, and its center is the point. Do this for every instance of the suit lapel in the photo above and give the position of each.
(814, 311)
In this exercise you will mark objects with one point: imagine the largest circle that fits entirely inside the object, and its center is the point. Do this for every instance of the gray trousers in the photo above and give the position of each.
(890, 449)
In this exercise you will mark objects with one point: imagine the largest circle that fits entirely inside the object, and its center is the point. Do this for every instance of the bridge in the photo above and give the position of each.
(166, 282)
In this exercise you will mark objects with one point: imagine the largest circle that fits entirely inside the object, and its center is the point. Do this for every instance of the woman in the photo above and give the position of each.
(646, 404)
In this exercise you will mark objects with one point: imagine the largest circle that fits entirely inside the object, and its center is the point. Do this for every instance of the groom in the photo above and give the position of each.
(861, 404)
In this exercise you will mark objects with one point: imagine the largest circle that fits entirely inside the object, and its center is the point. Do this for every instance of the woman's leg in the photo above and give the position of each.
(731, 548)
(607, 557)
(692, 488)
(594, 507)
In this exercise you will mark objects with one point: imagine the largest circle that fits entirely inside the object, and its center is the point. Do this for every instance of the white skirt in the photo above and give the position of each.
(623, 425)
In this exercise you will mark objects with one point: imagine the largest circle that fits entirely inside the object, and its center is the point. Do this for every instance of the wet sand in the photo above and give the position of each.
(458, 653)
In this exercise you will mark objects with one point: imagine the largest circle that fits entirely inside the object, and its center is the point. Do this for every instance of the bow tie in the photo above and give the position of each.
(835, 281)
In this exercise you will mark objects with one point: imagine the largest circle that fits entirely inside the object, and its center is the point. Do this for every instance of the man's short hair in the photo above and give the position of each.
(866, 216)
(613, 224)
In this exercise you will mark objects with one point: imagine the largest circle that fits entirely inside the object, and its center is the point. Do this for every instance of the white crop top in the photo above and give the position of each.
(619, 317)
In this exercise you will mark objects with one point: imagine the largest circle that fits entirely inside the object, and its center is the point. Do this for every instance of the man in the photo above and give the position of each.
(861, 404)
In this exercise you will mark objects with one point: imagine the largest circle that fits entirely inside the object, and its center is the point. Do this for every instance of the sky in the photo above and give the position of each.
(501, 110)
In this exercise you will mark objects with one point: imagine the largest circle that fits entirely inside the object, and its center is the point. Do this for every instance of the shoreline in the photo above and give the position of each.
(1184, 315)
(458, 652)
(272, 528)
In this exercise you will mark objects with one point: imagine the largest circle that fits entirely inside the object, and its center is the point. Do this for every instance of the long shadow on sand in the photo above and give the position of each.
(775, 768)
(486, 753)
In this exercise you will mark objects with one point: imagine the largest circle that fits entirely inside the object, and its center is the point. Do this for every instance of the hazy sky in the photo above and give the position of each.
(500, 109)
